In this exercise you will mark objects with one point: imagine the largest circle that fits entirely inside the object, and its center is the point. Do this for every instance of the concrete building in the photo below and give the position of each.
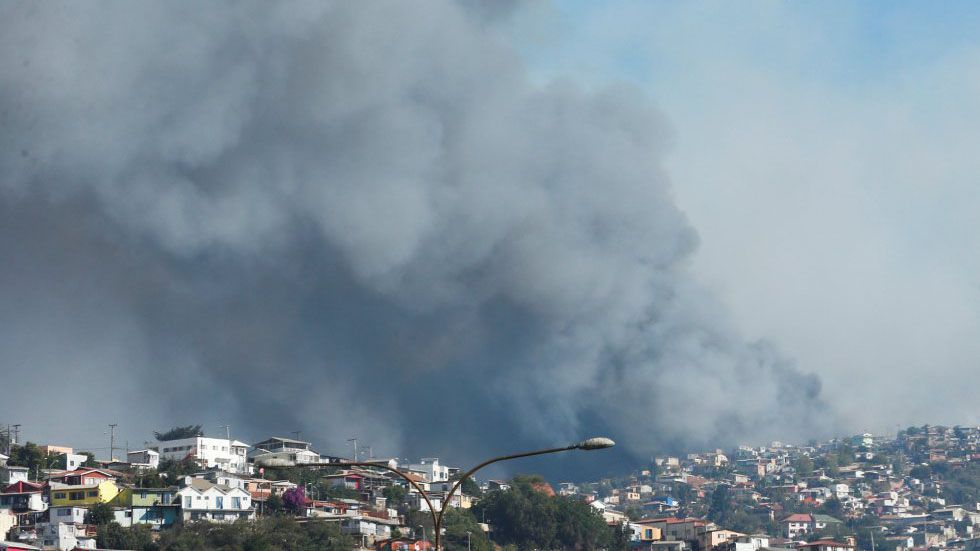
(144, 458)
(283, 451)
(228, 455)
(430, 469)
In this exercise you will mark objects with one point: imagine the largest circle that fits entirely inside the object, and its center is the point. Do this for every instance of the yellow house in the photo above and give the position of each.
(85, 494)
(650, 533)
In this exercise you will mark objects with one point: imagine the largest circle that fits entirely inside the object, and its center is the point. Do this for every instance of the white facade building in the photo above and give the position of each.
(229, 455)
(64, 537)
(145, 458)
(221, 478)
(430, 469)
(72, 514)
(283, 451)
(202, 500)
(10, 474)
(73, 461)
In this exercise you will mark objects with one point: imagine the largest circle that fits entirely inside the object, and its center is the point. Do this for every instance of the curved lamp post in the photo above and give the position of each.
(587, 445)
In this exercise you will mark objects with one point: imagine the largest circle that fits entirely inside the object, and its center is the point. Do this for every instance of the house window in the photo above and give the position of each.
(75, 496)
(59, 495)
(236, 503)
(219, 503)
(142, 495)
(188, 502)
(93, 493)
(64, 512)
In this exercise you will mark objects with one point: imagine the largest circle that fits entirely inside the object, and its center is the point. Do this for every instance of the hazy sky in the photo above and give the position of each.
(481, 227)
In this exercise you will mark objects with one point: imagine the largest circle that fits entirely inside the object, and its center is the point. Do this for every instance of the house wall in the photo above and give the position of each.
(147, 497)
(7, 521)
(67, 515)
(211, 452)
(156, 516)
(431, 469)
(214, 500)
(104, 492)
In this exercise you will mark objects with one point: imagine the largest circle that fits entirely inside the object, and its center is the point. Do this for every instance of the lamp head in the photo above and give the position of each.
(597, 443)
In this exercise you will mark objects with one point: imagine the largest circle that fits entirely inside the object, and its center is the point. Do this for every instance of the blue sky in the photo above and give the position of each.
(826, 154)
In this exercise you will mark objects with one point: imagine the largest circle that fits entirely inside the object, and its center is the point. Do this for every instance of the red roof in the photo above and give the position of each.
(84, 471)
(799, 517)
(23, 487)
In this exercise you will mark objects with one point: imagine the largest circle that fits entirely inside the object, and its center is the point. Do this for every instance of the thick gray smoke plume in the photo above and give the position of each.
(349, 218)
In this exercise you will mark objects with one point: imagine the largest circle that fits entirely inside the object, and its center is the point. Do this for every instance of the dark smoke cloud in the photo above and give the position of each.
(351, 218)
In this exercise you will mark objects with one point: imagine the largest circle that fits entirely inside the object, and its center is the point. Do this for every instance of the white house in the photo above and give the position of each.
(367, 529)
(203, 500)
(10, 474)
(64, 537)
(841, 491)
(430, 469)
(72, 461)
(229, 455)
(70, 515)
(283, 451)
(221, 478)
(144, 458)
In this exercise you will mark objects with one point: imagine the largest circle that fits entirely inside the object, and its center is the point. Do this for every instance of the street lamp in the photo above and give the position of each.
(597, 443)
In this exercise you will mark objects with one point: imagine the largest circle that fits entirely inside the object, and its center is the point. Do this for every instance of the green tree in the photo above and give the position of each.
(173, 470)
(922, 472)
(528, 518)
(395, 495)
(99, 514)
(30, 455)
(469, 487)
(114, 536)
(458, 523)
(338, 492)
(90, 460)
(898, 465)
(803, 465)
(273, 505)
(832, 507)
(720, 505)
(178, 433)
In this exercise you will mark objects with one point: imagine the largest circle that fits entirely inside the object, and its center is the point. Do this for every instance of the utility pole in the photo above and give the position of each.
(16, 434)
(112, 441)
(354, 440)
(231, 452)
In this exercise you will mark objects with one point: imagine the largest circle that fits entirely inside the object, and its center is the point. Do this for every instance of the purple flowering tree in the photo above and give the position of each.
(294, 499)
